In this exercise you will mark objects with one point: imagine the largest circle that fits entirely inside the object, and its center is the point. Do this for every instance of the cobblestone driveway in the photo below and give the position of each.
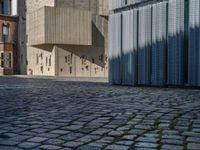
(50, 114)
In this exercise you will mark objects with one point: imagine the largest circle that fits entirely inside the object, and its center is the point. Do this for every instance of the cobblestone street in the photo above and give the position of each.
(53, 114)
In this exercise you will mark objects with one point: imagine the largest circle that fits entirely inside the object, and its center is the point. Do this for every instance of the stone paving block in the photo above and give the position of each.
(8, 142)
(192, 134)
(20, 138)
(50, 147)
(71, 136)
(116, 147)
(116, 133)
(97, 144)
(128, 137)
(106, 139)
(140, 148)
(88, 147)
(101, 131)
(73, 144)
(9, 148)
(171, 147)
(172, 141)
(193, 140)
(73, 127)
(60, 132)
(48, 135)
(193, 146)
(176, 137)
(37, 139)
(147, 139)
(146, 145)
(54, 141)
(125, 142)
(39, 130)
(29, 145)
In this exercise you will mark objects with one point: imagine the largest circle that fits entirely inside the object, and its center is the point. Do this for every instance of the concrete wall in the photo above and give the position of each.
(99, 7)
(33, 5)
(74, 59)
(41, 62)
(50, 25)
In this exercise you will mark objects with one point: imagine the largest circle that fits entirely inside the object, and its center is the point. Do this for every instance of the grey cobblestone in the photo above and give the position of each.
(49, 147)
(193, 146)
(29, 145)
(50, 114)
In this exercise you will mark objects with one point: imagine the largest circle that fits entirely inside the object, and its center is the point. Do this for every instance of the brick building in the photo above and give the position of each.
(8, 37)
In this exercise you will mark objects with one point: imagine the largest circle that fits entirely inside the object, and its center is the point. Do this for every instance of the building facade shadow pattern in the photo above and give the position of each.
(148, 44)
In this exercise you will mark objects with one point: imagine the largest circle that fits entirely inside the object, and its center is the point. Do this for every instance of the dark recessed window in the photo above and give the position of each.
(37, 59)
(126, 2)
(70, 70)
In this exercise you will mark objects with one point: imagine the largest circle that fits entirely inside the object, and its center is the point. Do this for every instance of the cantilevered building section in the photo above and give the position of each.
(66, 26)
(67, 38)
(162, 47)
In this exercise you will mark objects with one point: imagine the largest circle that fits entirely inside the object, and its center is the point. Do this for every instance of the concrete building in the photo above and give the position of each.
(67, 38)
(154, 42)
(8, 37)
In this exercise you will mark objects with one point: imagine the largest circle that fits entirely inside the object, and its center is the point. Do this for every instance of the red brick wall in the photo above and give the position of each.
(12, 23)
(9, 46)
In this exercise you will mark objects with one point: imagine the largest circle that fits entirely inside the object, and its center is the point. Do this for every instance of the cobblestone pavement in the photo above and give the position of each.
(51, 114)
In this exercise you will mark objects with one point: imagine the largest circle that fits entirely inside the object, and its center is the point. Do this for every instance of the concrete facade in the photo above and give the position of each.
(68, 39)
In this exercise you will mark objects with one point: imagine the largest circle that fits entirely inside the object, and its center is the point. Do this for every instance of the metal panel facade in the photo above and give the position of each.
(175, 42)
(155, 38)
(129, 47)
(159, 43)
(115, 48)
(194, 43)
(144, 43)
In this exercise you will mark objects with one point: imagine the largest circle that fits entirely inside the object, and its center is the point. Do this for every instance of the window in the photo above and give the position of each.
(41, 69)
(41, 55)
(70, 70)
(37, 59)
(10, 60)
(22, 59)
(93, 61)
(46, 61)
(2, 7)
(50, 60)
(101, 58)
(10, 8)
(5, 32)
(5, 29)
(66, 59)
(2, 60)
(71, 58)
(83, 60)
